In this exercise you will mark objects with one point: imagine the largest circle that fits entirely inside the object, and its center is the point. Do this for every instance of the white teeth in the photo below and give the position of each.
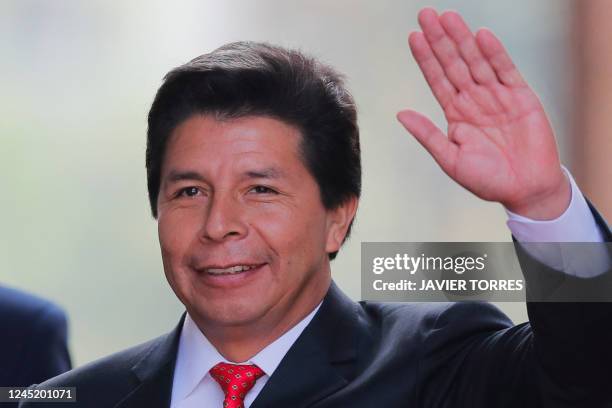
(230, 270)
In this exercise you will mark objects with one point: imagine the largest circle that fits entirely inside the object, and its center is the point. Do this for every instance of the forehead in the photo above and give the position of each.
(203, 140)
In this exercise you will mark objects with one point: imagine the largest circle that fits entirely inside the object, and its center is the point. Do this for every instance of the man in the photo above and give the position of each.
(33, 345)
(253, 164)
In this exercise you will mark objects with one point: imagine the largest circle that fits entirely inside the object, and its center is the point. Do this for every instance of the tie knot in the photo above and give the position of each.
(235, 381)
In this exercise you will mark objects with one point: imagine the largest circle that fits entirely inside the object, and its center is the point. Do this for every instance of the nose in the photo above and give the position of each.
(223, 218)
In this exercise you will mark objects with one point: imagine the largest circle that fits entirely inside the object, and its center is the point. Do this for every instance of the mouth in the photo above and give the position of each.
(229, 276)
(231, 270)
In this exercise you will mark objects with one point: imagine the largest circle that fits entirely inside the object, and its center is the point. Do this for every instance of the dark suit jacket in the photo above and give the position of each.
(33, 339)
(398, 355)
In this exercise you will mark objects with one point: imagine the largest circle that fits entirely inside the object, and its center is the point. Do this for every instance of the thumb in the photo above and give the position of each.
(430, 137)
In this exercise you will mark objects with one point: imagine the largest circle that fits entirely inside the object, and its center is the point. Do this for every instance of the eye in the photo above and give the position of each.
(190, 191)
(262, 190)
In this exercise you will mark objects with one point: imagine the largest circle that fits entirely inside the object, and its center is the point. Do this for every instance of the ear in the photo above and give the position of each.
(338, 221)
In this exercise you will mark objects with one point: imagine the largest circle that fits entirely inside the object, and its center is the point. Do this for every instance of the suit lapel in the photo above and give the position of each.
(155, 372)
(311, 369)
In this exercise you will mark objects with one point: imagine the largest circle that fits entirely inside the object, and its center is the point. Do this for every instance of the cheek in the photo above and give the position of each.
(295, 233)
(176, 232)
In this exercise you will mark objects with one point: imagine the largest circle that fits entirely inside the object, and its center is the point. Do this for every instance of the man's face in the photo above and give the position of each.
(236, 194)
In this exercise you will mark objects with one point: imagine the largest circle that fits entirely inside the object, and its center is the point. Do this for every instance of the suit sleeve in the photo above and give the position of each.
(562, 357)
(46, 354)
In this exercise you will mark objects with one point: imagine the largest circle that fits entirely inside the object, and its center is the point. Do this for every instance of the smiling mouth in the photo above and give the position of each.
(232, 270)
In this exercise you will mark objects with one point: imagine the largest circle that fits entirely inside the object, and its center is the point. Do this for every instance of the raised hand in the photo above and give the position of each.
(500, 144)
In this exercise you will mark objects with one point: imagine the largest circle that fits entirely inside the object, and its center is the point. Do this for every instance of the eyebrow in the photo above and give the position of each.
(178, 175)
(265, 173)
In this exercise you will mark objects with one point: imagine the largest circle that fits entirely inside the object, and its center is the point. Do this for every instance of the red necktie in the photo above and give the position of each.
(235, 381)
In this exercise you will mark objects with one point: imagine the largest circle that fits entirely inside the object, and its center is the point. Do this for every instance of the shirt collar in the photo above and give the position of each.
(196, 354)
(195, 357)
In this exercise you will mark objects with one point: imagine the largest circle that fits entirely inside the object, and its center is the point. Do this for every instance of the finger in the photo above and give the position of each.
(465, 41)
(499, 59)
(441, 87)
(431, 138)
(445, 50)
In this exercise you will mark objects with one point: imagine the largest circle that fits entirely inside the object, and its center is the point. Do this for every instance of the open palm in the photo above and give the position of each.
(500, 144)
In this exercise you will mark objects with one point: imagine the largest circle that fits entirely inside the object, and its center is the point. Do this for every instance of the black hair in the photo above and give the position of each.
(250, 78)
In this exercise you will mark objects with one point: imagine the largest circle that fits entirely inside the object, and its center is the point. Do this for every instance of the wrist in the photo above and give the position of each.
(546, 205)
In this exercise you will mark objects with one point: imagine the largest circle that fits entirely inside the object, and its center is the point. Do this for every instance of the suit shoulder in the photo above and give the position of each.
(107, 381)
(24, 312)
(106, 371)
(25, 305)
(427, 316)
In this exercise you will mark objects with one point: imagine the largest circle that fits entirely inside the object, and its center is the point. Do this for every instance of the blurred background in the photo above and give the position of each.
(77, 80)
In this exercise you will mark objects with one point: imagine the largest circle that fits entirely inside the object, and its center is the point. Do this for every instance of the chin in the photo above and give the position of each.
(227, 312)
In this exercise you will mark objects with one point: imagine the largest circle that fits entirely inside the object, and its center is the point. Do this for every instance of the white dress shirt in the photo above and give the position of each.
(194, 387)
(553, 242)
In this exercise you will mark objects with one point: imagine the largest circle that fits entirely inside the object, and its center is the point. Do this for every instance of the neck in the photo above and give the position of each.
(239, 343)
